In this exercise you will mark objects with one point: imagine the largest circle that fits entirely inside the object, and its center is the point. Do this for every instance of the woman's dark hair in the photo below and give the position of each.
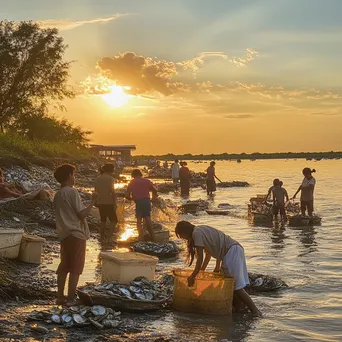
(308, 171)
(136, 173)
(63, 172)
(108, 168)
(185, 228)
(212, 163)
(185, 163)
(281, 183)
(276, 182)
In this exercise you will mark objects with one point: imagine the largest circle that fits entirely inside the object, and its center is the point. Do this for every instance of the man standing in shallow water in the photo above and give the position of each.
(72, 231)
(139, 190)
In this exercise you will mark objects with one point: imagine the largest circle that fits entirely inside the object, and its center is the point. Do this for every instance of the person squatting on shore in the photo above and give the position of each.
(72, 231)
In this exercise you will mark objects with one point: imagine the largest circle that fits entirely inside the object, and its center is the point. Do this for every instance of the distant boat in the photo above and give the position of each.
(238, 161)
(308, 158)
(318, 159)
(253, 159)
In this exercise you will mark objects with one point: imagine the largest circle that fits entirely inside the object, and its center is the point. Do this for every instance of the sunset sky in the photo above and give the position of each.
(201, 76)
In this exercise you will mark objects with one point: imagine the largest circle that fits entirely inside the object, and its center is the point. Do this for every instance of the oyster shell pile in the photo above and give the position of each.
(160, 250)
(139, 289)
(192, 207)
(265, 283)
(234, 184)
(165, 188)
(97, 315)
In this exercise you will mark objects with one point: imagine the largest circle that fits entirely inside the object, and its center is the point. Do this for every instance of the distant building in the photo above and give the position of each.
(124, 152)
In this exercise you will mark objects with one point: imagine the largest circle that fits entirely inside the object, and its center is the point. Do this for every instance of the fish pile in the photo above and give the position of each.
(169, 249)
(139, 289)
(264, 283)
(97, 315)
(237, 184)
(192, 207)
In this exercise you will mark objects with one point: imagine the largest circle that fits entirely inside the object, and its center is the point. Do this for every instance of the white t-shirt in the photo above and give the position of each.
(175, 171)
(307, 192)
(68, 204)
(215, 242)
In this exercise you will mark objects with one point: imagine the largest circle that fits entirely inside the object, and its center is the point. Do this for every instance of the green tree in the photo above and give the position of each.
(33, 73)
(49, 128)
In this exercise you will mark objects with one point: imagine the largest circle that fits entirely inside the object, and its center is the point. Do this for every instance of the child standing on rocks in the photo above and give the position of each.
(72, 231)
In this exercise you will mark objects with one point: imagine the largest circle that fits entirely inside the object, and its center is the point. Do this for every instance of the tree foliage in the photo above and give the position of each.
(49, 128)
(33, 76)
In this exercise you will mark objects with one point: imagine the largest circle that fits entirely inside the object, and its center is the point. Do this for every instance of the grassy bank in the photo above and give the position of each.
(15, 149)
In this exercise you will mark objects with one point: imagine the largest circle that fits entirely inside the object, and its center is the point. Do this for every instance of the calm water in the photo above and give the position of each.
(309, 259)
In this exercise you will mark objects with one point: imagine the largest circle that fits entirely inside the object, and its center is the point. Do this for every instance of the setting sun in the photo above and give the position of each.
(116, 97)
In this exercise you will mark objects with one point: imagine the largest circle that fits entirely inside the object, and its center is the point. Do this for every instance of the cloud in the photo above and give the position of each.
(141, 74)
(249, 56)
(145, 74)
(197, 62)
(66, 24)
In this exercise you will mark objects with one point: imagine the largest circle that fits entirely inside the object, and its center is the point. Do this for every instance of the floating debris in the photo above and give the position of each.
(139, 289)
(166, 250)
(98, 315)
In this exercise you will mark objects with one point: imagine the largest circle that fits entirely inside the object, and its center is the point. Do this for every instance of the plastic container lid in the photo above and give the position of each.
(33, 238)
(130, 258)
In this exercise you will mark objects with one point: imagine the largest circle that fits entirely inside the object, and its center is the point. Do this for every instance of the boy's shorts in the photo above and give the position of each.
(107, 211)
(143, 207)
(72, 255)
(234, 264)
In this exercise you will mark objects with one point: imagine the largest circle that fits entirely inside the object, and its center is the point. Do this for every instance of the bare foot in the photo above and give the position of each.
(61, 300)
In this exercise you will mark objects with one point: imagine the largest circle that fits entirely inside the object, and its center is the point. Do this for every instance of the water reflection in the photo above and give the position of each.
(278, 235)
(214, 328)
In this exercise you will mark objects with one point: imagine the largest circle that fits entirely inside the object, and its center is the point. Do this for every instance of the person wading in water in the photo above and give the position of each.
(307, 191)
(139, 190)
(184, 179)
(211, 176)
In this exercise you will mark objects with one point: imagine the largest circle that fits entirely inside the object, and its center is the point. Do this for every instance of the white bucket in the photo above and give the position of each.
(10, 240)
